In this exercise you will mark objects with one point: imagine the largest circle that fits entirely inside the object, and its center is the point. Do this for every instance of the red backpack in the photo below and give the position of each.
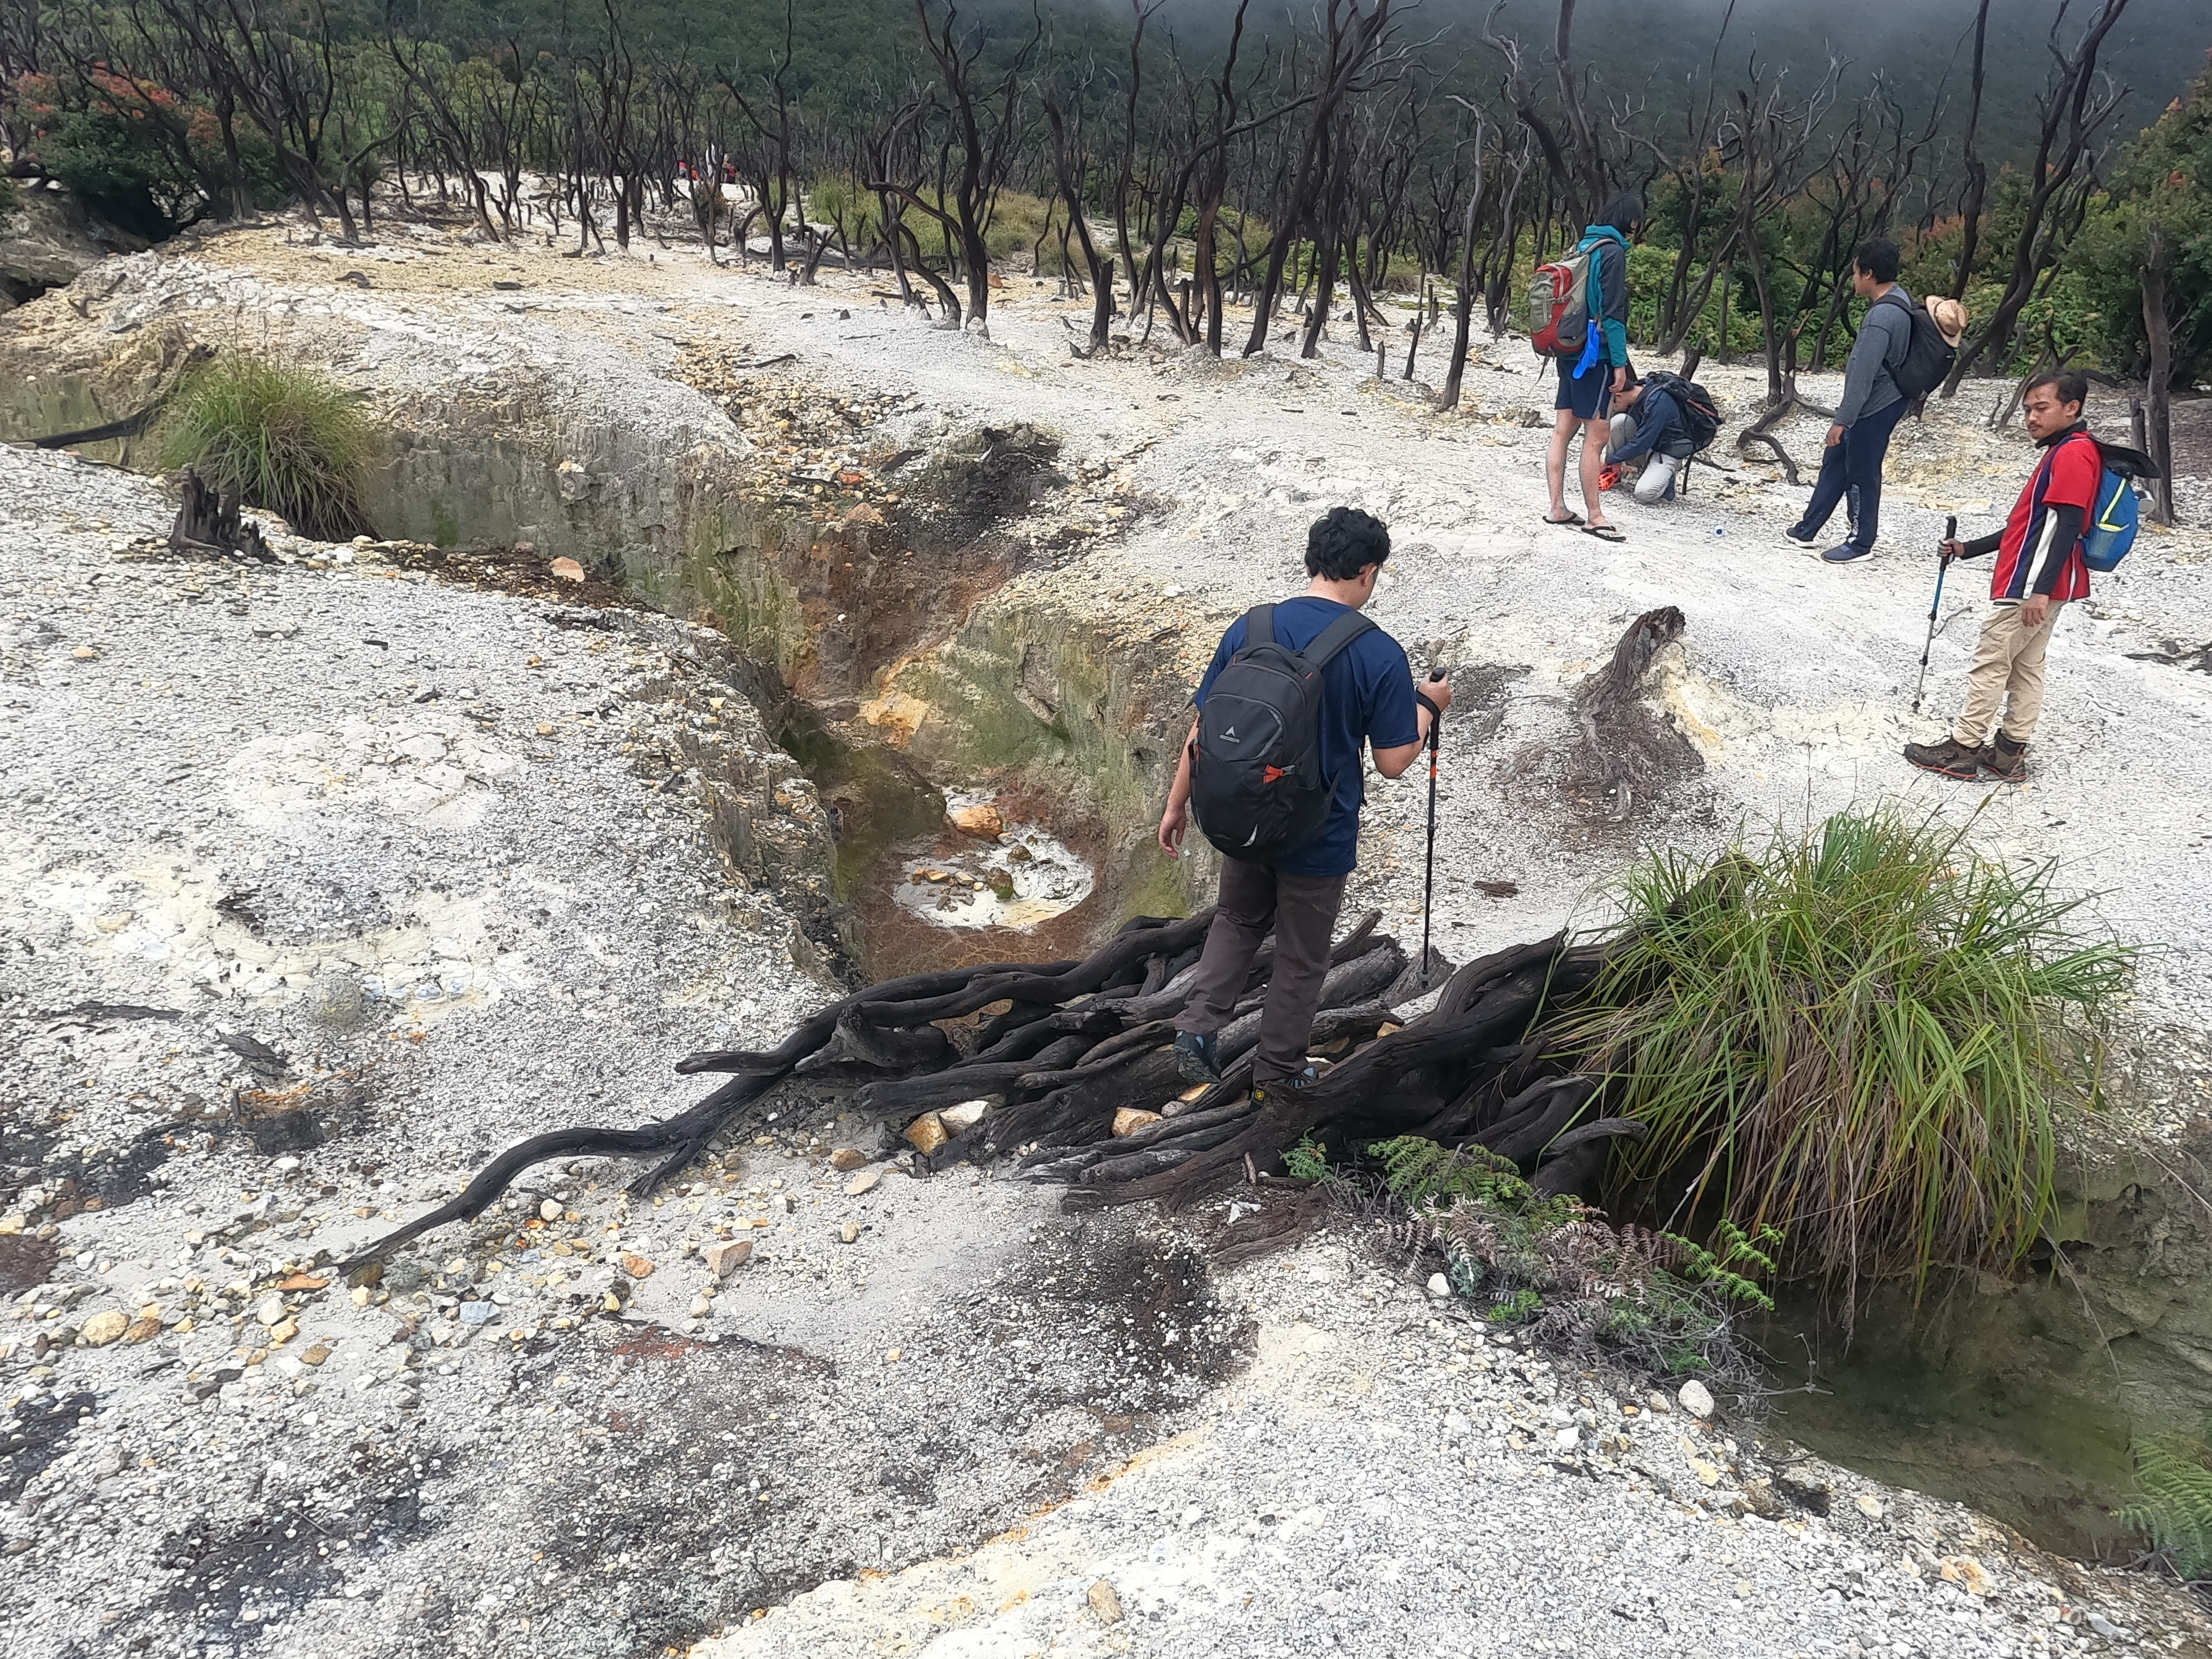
(1558, 305)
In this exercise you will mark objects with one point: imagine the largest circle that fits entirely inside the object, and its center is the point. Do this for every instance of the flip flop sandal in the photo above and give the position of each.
(1572, 520)
(1604, 532)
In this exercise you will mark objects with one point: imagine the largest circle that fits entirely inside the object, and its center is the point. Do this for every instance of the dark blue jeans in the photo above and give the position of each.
(1854, 464)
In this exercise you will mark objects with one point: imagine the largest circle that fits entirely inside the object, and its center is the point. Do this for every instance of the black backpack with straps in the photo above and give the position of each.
(1927, 357)
(1255, 778)
(1699, 413)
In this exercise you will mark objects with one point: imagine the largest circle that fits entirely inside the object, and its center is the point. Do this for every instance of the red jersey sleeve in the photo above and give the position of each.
(2076, 467)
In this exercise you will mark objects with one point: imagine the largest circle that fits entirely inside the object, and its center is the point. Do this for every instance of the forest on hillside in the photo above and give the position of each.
(1227, 173)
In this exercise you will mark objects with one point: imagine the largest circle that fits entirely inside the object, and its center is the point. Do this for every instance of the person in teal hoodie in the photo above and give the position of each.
(1587, 383)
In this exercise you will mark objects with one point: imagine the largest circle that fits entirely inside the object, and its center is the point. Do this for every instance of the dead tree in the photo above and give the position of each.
(766, 163)
(1463, 301)
(2157, 333)
(1587, 171)
(902, 139)
(1071, 164)
(1352, 36)
(286, 85)
(1977, 170)
(2075, 102)
(1767, 137)
(986, 125)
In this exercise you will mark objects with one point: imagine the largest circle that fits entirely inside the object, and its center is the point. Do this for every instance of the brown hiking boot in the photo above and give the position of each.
(2006, 759)
(1949, 758)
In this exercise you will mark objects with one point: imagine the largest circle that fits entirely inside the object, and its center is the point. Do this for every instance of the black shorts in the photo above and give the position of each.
(1586, 397)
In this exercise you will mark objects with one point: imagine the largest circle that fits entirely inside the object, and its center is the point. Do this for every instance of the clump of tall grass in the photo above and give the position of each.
(281, 436)
(1864, 1035)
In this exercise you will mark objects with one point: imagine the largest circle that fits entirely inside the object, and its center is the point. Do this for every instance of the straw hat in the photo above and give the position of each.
(1950, 317)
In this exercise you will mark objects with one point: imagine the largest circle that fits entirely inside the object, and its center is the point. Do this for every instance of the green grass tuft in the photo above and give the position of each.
(1864, 1036)
(286, 438)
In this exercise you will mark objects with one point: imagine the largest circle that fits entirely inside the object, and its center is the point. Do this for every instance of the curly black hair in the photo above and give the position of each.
(1345, 543)
(1878, 256)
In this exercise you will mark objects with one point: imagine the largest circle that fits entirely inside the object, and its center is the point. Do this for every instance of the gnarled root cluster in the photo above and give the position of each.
(1062, 1054)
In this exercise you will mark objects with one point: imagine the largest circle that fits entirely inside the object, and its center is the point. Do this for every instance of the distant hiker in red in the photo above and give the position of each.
(2040, 568)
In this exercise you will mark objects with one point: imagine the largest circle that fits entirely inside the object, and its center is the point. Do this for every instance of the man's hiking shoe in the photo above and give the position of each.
(2006, 759)
(1198, 1059)
(1947, 759)
(1846, 553)
(1791, 539)
(1262, 1093)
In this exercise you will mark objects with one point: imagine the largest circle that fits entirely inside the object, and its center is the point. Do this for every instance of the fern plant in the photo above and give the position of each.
(2173, 1500)
(1421, 1172)
(1724, 1268)
(1307, 1160)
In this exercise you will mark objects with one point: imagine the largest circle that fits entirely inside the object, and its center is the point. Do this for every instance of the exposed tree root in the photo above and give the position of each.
(1060, 1052)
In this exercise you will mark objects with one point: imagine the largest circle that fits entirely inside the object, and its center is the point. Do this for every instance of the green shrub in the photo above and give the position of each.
(2173, 1501)
(1864, 1035)
(284, 437)
(1665, 1304)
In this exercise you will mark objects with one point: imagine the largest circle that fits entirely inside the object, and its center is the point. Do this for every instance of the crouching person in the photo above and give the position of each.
(2040, 568)
(1295, 690)
(1651, 421)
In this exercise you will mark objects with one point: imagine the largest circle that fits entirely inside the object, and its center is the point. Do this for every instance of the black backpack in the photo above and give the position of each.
(1255, 778)
(1928, 356)
(1695, 403)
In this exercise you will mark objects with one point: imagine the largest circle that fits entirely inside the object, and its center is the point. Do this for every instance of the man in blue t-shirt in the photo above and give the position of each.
(1368, 699)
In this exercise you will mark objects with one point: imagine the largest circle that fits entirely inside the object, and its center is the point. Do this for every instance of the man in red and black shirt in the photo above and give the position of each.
(2039, 568)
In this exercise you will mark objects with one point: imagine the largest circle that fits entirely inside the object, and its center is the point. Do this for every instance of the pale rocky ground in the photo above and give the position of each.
(245, 856)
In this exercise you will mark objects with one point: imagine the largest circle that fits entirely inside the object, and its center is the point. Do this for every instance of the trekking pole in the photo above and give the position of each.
(1429, 877)
(1942, 569)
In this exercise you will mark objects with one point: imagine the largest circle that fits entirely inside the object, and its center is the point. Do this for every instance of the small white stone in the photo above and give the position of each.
(1696, 1398)
(549, 1210)
(1565, 1439)
(1439, 1286)
(963, 1117)
(269, 1310)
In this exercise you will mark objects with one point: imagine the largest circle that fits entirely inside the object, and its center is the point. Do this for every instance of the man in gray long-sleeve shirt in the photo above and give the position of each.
(1871, 408)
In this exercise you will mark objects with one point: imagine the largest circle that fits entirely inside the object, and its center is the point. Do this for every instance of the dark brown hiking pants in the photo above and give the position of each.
(1302, 911)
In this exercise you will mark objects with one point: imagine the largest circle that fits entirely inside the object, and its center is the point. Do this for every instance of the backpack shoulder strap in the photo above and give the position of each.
(1335, 637)
(1259, 626)
(1892, 357)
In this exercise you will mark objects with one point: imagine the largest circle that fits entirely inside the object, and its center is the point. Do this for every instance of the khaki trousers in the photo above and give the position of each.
(2007, 675)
